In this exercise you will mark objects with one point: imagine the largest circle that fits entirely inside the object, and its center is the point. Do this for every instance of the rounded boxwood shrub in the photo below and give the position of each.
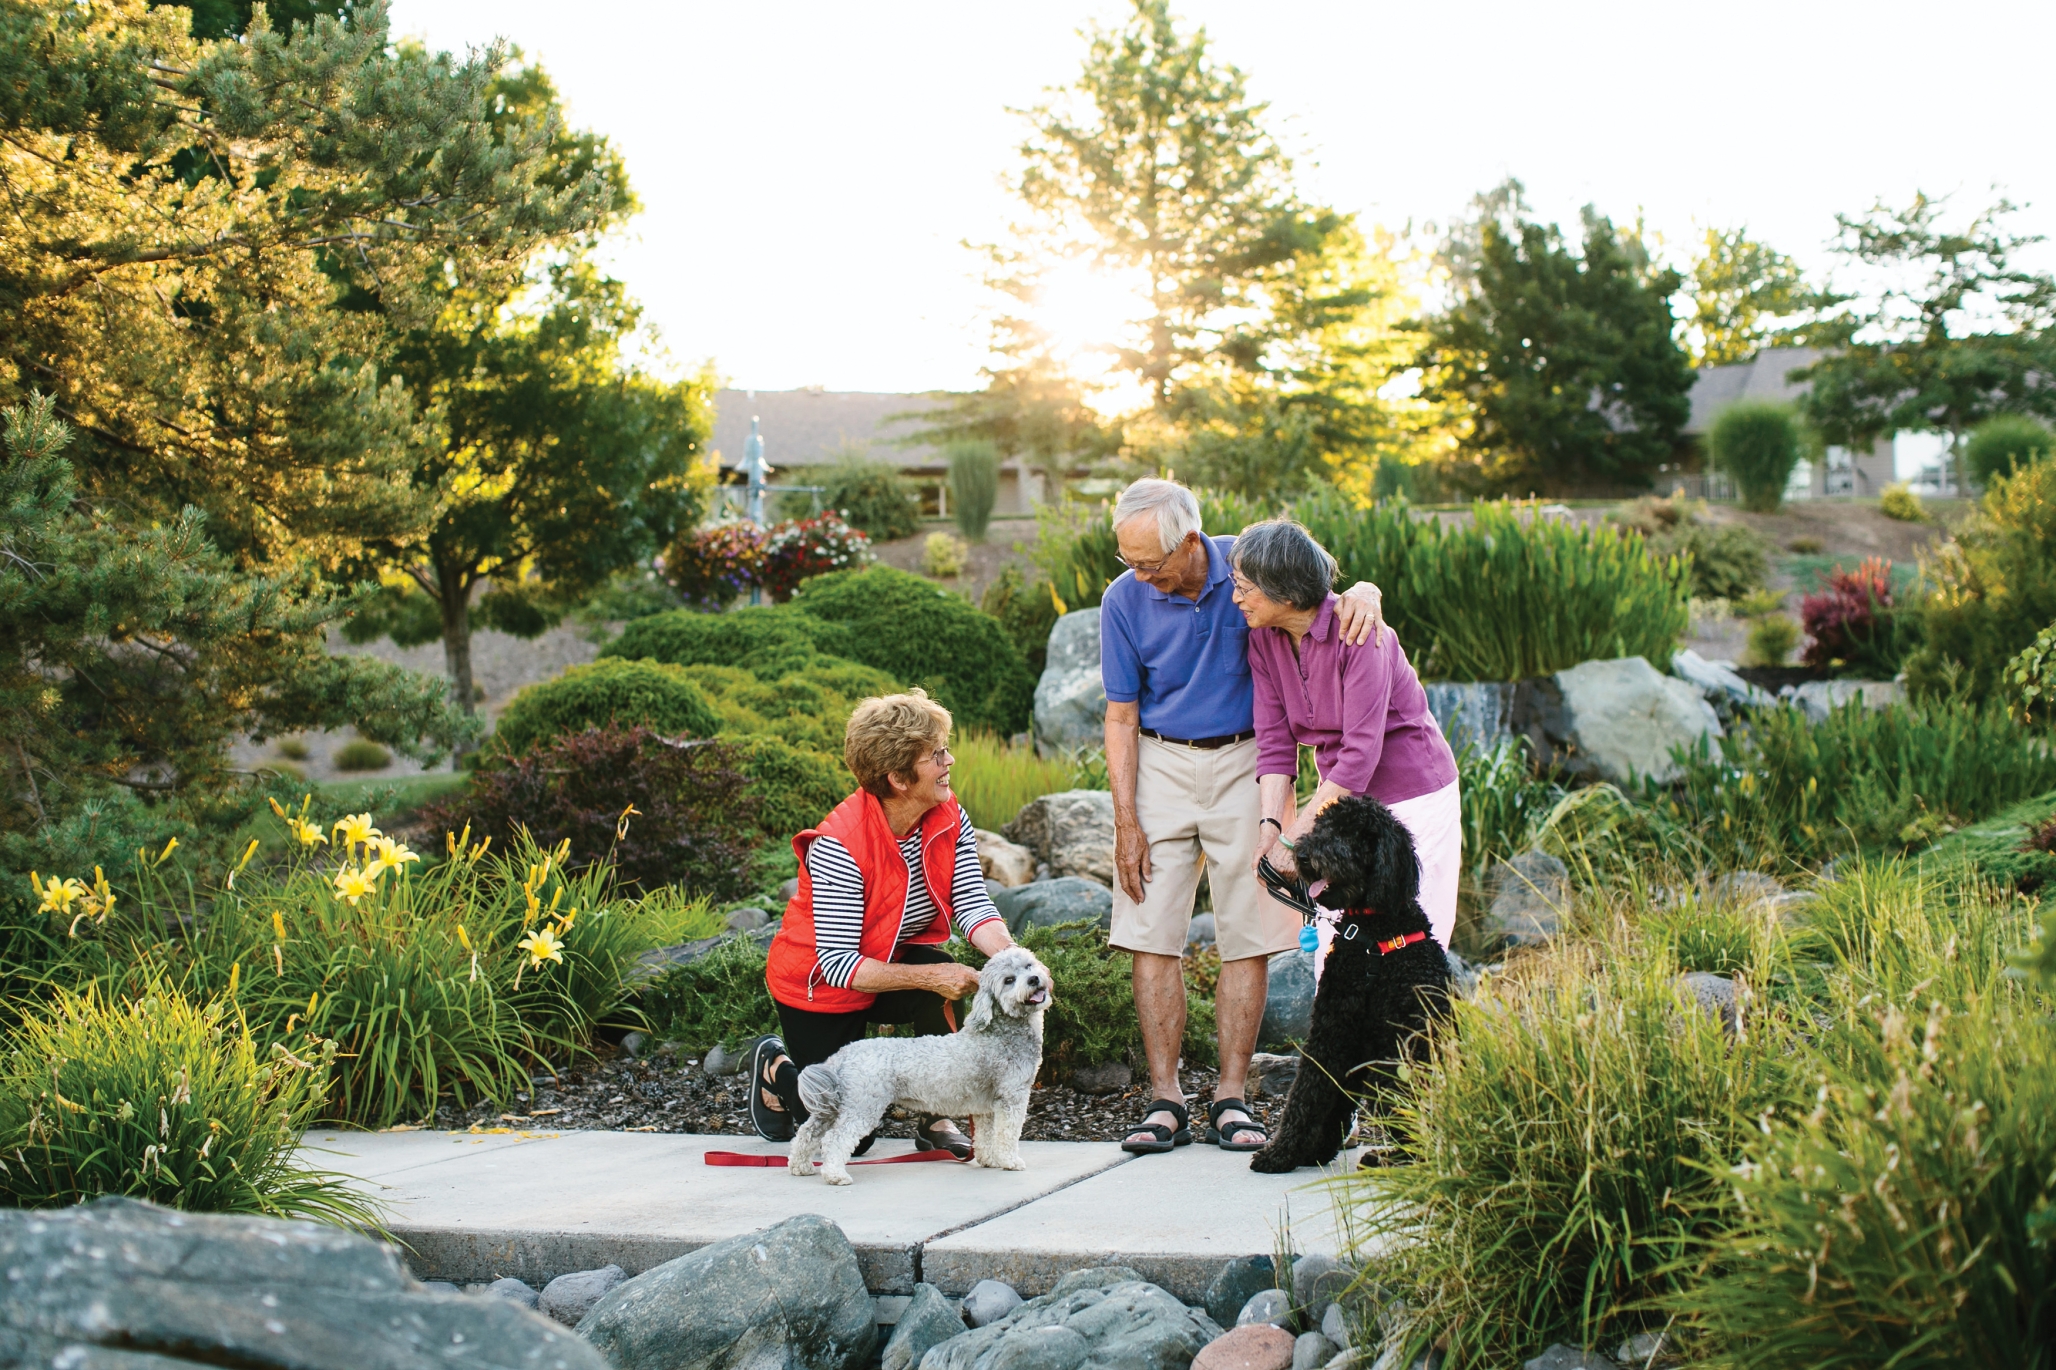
(658, 696)
(2004, 443)
(921, 634)
(1759, 444)
(684, 638)
(360, 754)
(794, 788)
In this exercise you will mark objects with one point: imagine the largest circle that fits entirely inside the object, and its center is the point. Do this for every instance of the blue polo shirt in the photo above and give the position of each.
(1186, 661)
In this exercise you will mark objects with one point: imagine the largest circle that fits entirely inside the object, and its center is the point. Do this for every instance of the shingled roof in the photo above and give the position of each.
(811, 427)
(1763, 377)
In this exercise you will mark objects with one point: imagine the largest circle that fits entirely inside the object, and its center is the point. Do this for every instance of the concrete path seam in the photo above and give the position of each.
(921, 1246)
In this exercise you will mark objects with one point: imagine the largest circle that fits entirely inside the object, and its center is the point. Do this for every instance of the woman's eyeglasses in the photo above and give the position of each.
(941, 756)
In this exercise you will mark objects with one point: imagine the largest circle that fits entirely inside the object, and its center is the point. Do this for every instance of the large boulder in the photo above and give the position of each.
(1045, 903)
(928, 1322)
(1071, 832)
(1070, 703)
(121, 1282)
(1109, 1316)
(1478, 712)
(1289, 1000)
(1006, 863)
(1616, 720)
(789, 1296)
(1529, 895)
(1717, 681)
(1819, 698)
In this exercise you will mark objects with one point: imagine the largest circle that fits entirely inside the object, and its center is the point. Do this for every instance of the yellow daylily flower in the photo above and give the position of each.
(306, 832)
(391, 855)
(621, 823)
(353, 884)
(542, 945)
(355, 828)
(567, 918)
(57, 895)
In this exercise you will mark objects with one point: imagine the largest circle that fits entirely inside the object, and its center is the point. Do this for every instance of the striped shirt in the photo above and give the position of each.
(839, 900)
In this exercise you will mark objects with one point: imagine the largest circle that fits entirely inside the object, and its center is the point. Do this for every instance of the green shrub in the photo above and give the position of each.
(2015, 848)
(1027, 610)
(943, 556)
(918, 633)
(2003, 444)
(1992, 591)
(361, 754)
(720, 999)
(2030, 678)
(992, 778)
(1759, 444)
(159, 1098)
(1568, 1139)
(872, 497)
(611, 690)
(1728, 562)
(794, 788)
(1503, 801)
(1771, 640)
(293, 749)
(1897, 502)
(685, 638)
(973, 485)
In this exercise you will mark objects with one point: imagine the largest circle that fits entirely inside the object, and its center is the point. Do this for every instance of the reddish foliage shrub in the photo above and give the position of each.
(809, 547)
(1851, 622)
(693, 824)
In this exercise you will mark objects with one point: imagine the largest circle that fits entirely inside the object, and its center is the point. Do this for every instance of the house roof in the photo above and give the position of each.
(1762, 377)
(813, 426)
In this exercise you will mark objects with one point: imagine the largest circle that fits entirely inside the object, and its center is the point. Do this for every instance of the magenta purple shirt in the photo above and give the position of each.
(1361, 709)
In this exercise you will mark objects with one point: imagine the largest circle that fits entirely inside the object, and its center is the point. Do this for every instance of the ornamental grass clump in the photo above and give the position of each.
(992, 778)
(161, 1097)
(1562, 1144)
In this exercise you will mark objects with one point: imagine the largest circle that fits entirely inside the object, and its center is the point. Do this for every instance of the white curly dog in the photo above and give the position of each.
(984, 1070)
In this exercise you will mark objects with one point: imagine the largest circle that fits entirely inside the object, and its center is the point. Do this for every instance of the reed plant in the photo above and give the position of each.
(993, 778)
(166, 1098)
(1504, 802)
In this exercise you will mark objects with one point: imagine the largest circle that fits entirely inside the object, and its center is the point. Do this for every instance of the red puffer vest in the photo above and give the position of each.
(794, 970)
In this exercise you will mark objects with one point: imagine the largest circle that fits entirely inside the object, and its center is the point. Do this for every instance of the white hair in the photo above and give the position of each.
(1175, 507)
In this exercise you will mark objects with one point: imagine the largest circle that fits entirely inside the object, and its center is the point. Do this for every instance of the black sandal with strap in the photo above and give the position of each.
(1224, 1135)
(1166, 1138)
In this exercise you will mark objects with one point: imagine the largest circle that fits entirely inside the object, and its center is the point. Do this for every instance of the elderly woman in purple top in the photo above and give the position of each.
(1361, 709)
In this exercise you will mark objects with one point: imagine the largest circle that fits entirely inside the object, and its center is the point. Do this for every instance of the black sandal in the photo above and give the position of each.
(1224, 1135)
(772, 1124)
(1166, 1138)
(940, 1134)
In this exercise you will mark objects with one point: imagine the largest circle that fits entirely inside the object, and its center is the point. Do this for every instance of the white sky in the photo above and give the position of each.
(809, 169)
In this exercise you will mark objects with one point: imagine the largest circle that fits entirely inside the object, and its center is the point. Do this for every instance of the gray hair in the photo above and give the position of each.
(1282, 559)
(1175, 507)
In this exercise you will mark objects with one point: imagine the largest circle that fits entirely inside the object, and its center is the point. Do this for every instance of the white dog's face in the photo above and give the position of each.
(1018, 983)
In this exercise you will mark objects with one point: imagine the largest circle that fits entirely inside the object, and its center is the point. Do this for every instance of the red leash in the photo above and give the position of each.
(746, 1158)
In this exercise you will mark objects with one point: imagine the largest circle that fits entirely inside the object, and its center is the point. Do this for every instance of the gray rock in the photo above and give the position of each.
(632, 1044)
(1071, 832)
(1616, 720)
(1045, 903)
(1003, 862)
(119, 1282)
(1819, 698)
(1561, 1357)
(658, 959)
(1463, 976)
(789, 891)
(1289, 1002)
(1070, 704)
(1335, 1326)
(989, 1301)
(1791, 908)
(1477, 712)
(788, 1296)
(568, 1298)
(1714, 995)
(1529, 894)
(1270, 1077)
(1644, 1349)
(1107, 1317)
(1273, 1306)
(722, 1061)
(1200, 931)
(1717, 681)
(517, 1291)
(747, 920)
(441, 1287)
(1239, 1281)
(1317, 1281)
(1746, 888)
(1311, 1350)
(1104, 1079)
(927, 1321)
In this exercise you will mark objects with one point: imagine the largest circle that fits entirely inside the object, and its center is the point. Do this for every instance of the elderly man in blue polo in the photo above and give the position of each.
(1181, 761)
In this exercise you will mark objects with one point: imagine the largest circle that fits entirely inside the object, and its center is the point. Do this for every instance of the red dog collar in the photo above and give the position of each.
(1387, 948)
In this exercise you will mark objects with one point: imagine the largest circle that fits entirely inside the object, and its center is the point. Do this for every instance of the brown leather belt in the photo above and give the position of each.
(1200, 744)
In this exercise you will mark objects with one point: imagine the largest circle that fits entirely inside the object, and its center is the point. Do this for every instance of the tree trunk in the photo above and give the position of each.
(454, 595)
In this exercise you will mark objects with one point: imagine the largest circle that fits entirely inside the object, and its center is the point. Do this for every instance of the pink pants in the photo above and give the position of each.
(1436, 822)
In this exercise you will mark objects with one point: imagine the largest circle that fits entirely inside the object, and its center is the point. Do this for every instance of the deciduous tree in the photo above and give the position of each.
(1746, 296)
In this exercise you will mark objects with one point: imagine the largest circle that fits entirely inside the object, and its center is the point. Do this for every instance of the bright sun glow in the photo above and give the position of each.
(1087, 313)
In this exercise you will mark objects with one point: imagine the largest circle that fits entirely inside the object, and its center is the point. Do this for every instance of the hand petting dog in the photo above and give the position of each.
(985, 1069)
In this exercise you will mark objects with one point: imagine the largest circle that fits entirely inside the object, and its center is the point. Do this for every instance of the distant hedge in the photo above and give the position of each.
(685, 638)
(650, 693)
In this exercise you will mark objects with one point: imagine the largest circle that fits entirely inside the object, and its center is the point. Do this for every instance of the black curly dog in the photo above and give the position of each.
(1378, 989)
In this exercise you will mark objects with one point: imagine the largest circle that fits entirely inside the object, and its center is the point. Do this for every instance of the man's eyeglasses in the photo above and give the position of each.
(1150, 568)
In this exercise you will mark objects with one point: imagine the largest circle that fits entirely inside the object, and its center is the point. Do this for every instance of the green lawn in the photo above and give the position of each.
(389, 797)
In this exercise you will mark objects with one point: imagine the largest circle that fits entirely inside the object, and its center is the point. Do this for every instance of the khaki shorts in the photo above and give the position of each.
(1200, 811)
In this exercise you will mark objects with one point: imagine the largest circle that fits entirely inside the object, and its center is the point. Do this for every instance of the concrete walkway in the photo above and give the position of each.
(535, 1205)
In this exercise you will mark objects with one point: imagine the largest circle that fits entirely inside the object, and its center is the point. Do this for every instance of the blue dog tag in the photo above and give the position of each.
(1309, 940)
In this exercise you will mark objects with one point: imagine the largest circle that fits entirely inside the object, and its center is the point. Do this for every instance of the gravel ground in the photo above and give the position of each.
(665, 1094)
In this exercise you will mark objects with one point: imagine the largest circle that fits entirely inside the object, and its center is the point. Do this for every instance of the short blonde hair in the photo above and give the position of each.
(888, 736)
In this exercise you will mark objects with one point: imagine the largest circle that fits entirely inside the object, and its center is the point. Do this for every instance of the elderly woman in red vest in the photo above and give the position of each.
(884, 879)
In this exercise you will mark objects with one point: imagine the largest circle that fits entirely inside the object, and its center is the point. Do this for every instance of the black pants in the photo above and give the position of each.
(811, 1037)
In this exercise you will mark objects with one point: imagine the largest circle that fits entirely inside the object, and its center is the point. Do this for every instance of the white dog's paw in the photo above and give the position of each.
(836, 1176)
(1003, 1162)
(803, 1169)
